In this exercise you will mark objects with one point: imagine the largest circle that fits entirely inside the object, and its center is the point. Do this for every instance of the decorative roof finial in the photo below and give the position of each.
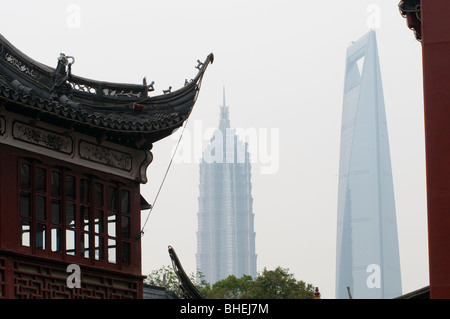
(316, 293)
(61, 77)
(199, 65)
(168, 90)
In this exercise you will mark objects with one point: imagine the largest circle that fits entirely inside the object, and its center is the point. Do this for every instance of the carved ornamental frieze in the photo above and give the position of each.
(76, 148)
(20, 65)
(106, 156)
(41, 137)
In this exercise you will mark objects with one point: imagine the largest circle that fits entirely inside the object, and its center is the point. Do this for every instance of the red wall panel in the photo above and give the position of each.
(436, 73)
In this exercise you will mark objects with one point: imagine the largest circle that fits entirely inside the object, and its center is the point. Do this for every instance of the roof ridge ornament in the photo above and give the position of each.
(150, 87)
(62, 75)
(169, 90)
(199, 65)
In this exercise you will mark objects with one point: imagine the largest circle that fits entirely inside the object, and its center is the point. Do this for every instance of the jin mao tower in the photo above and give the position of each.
(225, 237)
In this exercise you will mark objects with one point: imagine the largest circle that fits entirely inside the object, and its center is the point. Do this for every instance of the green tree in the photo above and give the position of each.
(269, 284)
(166, 277)
(230, 287)
(278, 284)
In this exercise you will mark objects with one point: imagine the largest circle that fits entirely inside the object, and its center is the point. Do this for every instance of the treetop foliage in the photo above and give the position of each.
(268, 284)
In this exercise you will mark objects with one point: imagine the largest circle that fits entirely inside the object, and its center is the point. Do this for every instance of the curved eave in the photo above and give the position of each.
(25, 57)
(120, 119)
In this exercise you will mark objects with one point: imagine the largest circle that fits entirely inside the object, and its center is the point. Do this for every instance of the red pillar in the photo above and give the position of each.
(436, 76)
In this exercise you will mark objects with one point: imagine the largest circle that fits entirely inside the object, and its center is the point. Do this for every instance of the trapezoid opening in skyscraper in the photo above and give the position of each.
(367, 251)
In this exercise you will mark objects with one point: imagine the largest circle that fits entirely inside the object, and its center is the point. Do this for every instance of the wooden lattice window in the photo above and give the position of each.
(64, 212)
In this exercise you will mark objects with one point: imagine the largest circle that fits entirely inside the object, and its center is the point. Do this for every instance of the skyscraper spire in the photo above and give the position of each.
(224, 116)
(224, 103)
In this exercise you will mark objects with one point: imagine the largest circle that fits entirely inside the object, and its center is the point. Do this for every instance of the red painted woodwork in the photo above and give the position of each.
(30, 278)
(436, 75)
(30, 269)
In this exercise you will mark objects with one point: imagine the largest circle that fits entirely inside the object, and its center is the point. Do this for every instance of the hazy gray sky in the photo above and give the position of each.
(282, 64)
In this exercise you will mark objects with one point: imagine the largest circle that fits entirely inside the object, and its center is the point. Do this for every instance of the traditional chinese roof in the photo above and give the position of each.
(186, 285)
(127, 114)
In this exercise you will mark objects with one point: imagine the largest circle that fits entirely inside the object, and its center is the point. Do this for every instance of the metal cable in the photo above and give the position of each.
(163, 180)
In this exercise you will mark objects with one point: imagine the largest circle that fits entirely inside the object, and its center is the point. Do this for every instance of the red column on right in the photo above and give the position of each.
(435, 34)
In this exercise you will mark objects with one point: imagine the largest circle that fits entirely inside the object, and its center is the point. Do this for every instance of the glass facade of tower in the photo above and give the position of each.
(367, 254)
(225, 236)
